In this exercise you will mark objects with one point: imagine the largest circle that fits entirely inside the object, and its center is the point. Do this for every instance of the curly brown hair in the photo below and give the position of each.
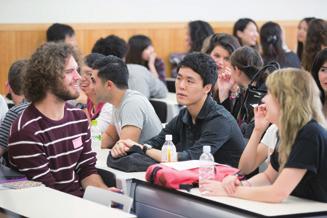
(45, 69)
(316, 37)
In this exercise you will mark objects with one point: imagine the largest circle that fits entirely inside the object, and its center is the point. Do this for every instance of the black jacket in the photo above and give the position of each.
(214, 126)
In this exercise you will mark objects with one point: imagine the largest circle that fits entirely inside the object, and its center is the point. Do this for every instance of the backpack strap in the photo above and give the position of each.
(153, 174)
(188, 187)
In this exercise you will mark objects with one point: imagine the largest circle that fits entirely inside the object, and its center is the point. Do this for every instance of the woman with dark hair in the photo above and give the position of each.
(272, 47)
(220, 47)
(246, 31)
(198, 31)
(141, 51)
(302, 29)
(319, 73)
(316, 40)
(246, 62)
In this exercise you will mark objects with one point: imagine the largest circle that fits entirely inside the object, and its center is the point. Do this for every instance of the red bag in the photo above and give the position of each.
(185, 179)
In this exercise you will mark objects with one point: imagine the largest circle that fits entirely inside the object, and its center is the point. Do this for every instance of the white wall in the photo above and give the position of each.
(84, 11)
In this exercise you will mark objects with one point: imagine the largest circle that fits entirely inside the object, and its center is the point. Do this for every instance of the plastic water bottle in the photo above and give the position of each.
(95, 133)
(207, 167)
(168, 150)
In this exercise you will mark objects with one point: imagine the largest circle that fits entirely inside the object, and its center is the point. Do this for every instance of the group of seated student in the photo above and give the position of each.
(298, 164)
(50, 141)
(201, 122)
(133, 115)
(245, 63)
(257, 151)
(140, 78)
(220, 47)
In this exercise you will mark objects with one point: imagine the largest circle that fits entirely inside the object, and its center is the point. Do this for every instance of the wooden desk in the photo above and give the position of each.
(151, 200)
(46, 202)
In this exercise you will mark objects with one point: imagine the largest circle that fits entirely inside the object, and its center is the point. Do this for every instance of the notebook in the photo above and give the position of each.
(11, 179)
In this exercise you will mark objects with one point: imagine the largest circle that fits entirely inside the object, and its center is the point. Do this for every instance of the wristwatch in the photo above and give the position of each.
(146, 147)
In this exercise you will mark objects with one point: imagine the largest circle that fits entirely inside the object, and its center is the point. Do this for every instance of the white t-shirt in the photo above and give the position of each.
(101, 123)
(3, 108)
(270, 137)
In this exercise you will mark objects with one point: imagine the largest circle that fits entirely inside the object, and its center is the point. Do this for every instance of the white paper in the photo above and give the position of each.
(184, 165)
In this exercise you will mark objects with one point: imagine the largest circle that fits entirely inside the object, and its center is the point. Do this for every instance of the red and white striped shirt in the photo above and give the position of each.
(56, 153)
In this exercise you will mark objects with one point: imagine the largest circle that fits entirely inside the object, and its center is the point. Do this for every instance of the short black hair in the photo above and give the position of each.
(114, 69)
(90, 59)
(15, 76)
(58, 32)
(202, 64)
(111, 45)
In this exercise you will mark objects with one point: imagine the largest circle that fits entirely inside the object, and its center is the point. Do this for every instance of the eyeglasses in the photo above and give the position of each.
(89, 75)
(92, 79)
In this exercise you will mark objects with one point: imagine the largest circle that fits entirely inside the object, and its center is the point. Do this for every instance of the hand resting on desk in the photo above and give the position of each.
(122, 147)
(213, 188)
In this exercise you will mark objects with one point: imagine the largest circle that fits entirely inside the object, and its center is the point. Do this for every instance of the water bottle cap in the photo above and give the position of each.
(206, 149)
(169, 137)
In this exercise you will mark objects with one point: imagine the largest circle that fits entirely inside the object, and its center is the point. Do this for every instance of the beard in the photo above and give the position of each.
(63, 93)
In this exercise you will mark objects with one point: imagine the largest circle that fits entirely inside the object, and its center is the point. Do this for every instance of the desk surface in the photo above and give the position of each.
(192, 202)
(47, 202)
(292, 205)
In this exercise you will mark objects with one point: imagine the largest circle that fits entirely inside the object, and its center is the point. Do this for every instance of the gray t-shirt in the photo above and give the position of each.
(141, 80)
(136, 110)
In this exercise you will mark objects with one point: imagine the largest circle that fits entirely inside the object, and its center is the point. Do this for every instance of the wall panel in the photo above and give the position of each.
(20, 40)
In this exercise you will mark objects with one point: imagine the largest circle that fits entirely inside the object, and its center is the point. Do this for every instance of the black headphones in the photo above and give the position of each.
(255, 92)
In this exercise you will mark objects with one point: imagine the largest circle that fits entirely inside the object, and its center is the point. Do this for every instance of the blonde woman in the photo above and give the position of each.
(261, 144)
(299, 163)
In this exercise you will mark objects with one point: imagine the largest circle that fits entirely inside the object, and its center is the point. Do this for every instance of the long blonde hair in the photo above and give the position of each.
(299, 99)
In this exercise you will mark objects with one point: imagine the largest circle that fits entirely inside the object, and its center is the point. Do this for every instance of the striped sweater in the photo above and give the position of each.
(10, 117)
(56, 153)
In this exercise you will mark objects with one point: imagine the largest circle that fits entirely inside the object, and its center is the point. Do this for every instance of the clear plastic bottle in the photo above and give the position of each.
(95, 133)
(168, 150)
(207, 167)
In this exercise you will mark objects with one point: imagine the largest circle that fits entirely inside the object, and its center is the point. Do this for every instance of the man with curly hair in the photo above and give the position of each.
(50, 142)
